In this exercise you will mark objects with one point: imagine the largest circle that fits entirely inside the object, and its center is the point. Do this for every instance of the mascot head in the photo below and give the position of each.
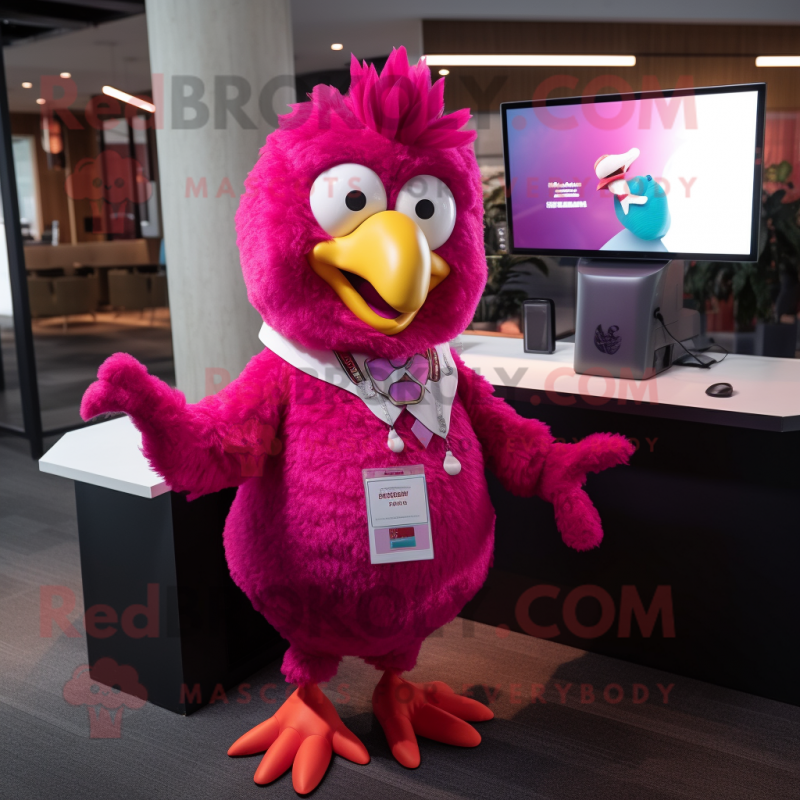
(362, 225)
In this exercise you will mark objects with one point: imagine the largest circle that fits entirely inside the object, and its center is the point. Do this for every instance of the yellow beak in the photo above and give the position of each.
(390, 252)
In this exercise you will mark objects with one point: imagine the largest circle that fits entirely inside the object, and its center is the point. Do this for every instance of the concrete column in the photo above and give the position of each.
(225, 70)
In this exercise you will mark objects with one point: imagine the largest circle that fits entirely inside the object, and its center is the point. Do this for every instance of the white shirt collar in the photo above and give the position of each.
(433, 411)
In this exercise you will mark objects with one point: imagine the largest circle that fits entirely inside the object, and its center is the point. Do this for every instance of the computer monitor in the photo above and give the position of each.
(672, 174)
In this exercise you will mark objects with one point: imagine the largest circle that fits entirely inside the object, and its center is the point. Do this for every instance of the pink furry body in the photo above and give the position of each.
(297, 545)
(296, 536)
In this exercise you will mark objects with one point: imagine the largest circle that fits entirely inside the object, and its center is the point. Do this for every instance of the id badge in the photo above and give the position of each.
(398, 515)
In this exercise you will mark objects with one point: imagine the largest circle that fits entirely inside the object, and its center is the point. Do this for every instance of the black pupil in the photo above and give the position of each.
(355, 200)
(424, 209)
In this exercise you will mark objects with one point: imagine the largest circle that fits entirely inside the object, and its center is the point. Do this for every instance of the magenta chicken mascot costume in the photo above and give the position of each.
(361, 242)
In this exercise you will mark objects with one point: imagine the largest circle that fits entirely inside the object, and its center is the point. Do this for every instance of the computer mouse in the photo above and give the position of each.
(720, 390)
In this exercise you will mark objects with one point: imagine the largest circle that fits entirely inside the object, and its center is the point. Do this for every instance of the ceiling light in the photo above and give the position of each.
(65, 75)
(529, 61)
(40, 101)
(129, 98)
(27, 85)
(337, 47)
(778, 61)
(444, 71)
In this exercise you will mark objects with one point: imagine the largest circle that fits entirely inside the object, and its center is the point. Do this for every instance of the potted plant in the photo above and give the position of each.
(766, 291)
(504, 293)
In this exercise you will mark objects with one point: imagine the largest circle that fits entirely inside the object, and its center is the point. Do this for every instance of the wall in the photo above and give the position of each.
(52, 193)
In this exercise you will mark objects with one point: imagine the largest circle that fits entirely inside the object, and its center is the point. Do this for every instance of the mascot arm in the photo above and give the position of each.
(527, 460)
(211, 445)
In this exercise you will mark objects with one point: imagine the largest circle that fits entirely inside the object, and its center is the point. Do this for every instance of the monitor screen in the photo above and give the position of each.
(667, 174)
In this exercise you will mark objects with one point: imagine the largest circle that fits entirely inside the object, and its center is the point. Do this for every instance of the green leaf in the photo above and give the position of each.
(784, 171)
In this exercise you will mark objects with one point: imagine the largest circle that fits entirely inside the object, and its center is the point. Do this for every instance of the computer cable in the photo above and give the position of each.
(701, 364)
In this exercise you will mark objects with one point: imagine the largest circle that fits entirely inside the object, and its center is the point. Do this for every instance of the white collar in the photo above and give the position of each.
(433, 411)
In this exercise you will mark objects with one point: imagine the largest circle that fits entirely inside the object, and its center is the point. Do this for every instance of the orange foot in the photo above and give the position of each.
(303, 732)
(433, 710)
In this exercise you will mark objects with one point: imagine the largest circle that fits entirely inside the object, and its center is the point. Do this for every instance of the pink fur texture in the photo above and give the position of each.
(523, 454)
(296, 536)
(202, 448)
(401, 104)
(276, 229)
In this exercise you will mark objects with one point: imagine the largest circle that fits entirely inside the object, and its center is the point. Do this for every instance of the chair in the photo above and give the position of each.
(128, 290)
(136, 291)
(40, 297)
(158, 290)
(76, 295)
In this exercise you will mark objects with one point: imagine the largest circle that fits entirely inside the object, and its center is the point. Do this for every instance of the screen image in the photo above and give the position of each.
(637, 176)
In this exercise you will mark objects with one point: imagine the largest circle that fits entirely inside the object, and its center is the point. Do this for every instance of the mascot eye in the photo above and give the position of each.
(431, 205)
(344, 196)
(355, 200)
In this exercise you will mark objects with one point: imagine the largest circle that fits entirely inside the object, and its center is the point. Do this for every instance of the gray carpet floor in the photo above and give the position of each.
(703, 742)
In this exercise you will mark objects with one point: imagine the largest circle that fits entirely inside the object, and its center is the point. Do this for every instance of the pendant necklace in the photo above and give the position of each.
(394, 442)
(365, 387)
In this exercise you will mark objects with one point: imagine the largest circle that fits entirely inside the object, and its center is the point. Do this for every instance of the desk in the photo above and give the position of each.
(704, 523)
(143, 545)
(766, 390)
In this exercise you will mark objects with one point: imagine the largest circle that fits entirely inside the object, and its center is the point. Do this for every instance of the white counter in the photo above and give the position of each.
(107, 454)
(762, 387)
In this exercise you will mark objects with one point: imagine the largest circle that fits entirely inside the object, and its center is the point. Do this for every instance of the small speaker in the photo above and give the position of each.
(539, 325)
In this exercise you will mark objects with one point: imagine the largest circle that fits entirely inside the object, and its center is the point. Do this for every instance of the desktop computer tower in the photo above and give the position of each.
(616, 331)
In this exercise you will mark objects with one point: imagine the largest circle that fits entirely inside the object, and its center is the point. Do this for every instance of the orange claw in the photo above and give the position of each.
(303, 734)
(433, 710)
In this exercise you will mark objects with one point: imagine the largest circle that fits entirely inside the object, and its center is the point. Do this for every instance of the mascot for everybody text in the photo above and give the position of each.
(362, 248)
